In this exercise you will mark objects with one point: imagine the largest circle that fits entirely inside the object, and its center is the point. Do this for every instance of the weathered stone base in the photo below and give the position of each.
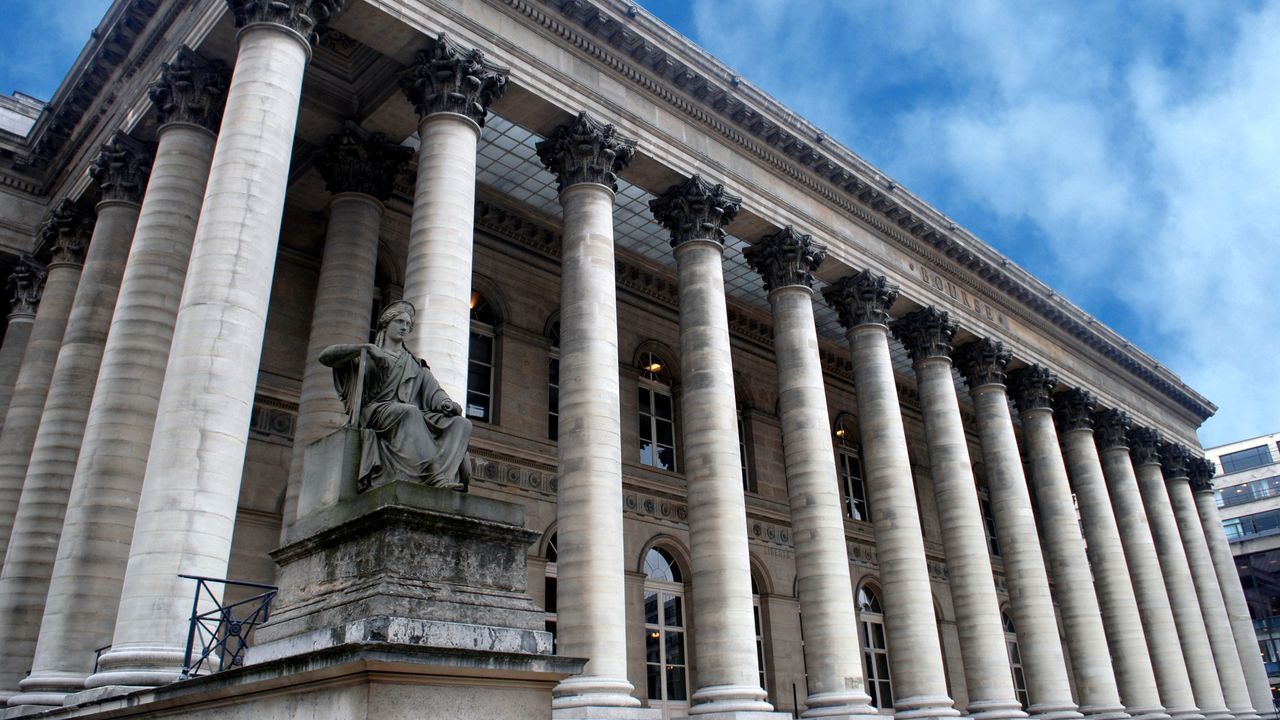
(606, 713)
(373, 680)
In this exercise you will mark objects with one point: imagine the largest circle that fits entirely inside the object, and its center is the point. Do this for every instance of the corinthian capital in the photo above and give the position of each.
(926, 333)
(785, 258)
(983, 362)
(695, 210)
(1144, 445)
(1111, 428)
(1032, 387)
(1201, 471)
(1176, 460)
(861, 299)
(192, 90)
(65, 233)
(122, 168)
(450, 78)
(586, 151)
(26, 283)
(305, 17)
(356, 160)
(1073, 410)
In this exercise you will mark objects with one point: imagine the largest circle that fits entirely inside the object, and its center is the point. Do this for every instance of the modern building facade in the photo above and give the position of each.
(1249, 500)
(793, 442)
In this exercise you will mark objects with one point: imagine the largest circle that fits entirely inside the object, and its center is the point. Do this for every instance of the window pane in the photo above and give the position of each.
(665, 434)
(675, 648)
(646, 454)
(655, 682)
(667, 459)
(676, 684)
(674, 610)
(652, 646)
(651, 607)
(662, 405)
(481, 348)
(549, 593)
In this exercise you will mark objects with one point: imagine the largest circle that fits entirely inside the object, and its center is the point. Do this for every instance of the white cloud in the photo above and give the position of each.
(1140, 140)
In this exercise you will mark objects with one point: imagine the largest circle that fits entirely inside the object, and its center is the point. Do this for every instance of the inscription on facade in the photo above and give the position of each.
(958, 294)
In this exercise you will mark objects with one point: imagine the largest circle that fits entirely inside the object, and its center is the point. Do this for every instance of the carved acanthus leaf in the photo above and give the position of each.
(861, 299)
(305, 17)
(1201, 471)
(65, 234)
(450, 78)
(1032, 387)
(356, 160)
(26, 284)
(1111, 428)
(983, 362)
(1144, 445)
(1176, 459)
(1073, 410)
(785, 258)
(586, 151)
(695, 210)
(191, 89)
(926, 333)
(122, 168)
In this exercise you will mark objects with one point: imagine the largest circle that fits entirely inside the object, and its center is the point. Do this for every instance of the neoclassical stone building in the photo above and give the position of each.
(792, 442)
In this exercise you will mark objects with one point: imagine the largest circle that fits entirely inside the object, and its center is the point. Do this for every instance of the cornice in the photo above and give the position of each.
(708, 91)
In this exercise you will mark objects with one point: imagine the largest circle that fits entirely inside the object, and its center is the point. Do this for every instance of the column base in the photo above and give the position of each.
(1191, 713)
(47, 688)
(1067, 711)
(592, 692)
(1148, 712)
(995, 710)
(840, 706)
(138, 666)
(1105, 712)
(924, 707)
(1245, 713)
(603, 712)
(1219, 714)
(714, 700)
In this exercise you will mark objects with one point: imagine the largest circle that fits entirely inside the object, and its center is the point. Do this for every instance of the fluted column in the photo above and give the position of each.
(1144, 450)
(585, 157)
(359, 168)
(862, 302)
(927, 336)
(1175, 461)
(1255, 675)
(187, 509)
(450, 87)
(832, 653)
(26, 282)
(84, 591)
(1111, 436)
(120, 171)
(695, 212)
(1135, 675)
(64, 237)
(983, 363)
(1095, 679)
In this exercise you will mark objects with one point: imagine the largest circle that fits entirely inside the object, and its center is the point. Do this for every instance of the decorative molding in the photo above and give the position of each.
(450, 78)
(1073, 410)
(861, 299)
(695, 210)
(191, 89)
(771, 533)
(1032, 388)
(983, 362)
(122, 168)
(64, 236)
(1175, 459)
(500, 470)
(1201, 471)
(26, 285)
(863, 555)
(1144, 445)
(786, 258)
(273, 419)
(305, 17)
(512, 226)
(356, 160)
(585, 150)
(1111, 429)
(926, 333)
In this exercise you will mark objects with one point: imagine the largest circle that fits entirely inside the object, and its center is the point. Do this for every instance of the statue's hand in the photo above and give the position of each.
(379, 355)
(449, 407)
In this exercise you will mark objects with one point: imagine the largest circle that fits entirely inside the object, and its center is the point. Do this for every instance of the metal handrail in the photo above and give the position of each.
(223, 631)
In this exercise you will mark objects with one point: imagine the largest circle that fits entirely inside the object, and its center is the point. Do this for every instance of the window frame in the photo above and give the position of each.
(479, 328)
(877, 687)
(652, 385)
(656, 627)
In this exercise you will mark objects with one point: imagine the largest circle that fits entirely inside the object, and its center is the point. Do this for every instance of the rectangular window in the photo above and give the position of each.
(1246, 459)
(989, 523)
(855, 491)
(553, 398)
(1248, 492)
(657, 429)
(480, 378)
(748, 480)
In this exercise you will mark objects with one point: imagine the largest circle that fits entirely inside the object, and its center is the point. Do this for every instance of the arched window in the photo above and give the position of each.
(760, 656)
(1015, 659)
(549, 588)
(657, 414)
(664, 629)
(875, 648)
(553, 384)
(480, 398)
(849, 465)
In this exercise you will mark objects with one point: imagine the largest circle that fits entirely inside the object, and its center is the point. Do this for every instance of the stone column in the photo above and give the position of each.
(1111, 436)
(695, 212)
(832, 653)
(988, 678)
(1135, 675)
(84, 590)
(187, 509)
(120, 171)
(1095, 680)
(586, 156)
(862, 302)
(1144, 449)
(359, 168)
(1175, 460)
(451, 88)
(64, 238)
(1255, 675)
(983, 363)
(26, 282)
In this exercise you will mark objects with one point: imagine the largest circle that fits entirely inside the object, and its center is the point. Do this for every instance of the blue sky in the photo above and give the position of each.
(1126, 153)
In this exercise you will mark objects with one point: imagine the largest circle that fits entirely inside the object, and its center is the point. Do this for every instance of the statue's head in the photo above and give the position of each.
(399, 310)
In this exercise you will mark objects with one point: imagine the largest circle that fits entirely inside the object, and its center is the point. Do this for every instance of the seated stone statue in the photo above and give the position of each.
(410, 428)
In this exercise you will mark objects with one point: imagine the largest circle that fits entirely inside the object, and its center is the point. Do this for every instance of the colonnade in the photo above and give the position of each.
(129, 444)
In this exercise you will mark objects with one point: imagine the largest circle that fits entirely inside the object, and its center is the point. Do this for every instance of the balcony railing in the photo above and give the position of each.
(217, 638)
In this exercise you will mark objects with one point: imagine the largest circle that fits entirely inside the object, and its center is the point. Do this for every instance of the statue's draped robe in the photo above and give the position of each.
(404, 435)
